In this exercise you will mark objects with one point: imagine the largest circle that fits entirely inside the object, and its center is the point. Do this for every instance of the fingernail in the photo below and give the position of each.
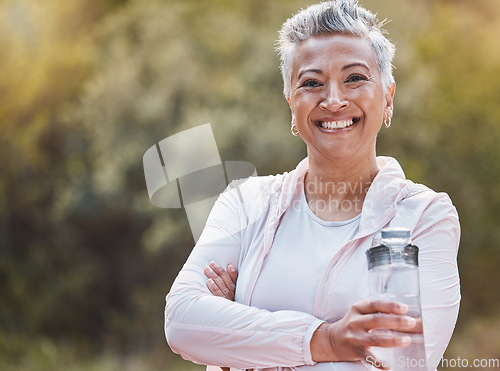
(405, 340)
(230, 268)
(210, 281)
(403, 308)
(213, 264)
(409, 321)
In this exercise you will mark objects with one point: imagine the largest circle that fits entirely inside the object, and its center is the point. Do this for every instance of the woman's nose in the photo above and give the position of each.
(333, 99)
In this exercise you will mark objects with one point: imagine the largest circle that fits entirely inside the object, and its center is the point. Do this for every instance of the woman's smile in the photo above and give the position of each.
(336, 125)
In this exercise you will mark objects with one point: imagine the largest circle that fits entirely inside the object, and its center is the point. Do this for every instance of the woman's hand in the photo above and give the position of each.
(221, 282)
(349, 339)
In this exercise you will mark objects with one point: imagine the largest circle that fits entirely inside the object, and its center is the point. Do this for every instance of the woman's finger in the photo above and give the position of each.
(233, 274)
(385, 339)
(383, 306)
(214, 289)
(381, 321)
(417, 329)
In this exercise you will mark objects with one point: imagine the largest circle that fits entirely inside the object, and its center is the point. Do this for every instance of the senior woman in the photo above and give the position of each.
(298, 239)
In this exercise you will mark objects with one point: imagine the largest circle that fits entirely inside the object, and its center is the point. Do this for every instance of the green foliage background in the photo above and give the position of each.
(87, 87)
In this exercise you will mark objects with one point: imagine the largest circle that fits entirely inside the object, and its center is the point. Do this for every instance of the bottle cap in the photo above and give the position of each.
(392, 246)
(395, 232)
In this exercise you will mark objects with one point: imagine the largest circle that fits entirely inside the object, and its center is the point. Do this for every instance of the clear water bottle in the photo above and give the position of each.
(393, 275)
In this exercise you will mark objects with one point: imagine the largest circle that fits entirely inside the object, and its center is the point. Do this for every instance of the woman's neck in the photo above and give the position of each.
(336, 190)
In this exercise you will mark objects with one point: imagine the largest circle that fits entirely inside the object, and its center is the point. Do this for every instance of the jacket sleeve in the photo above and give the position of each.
(207, 329)
(437, 235)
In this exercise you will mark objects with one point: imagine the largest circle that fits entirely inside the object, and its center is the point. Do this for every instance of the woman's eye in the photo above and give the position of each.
(356, 78)
(311, 84)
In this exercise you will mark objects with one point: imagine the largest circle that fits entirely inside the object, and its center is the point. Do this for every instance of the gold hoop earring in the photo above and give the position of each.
(294, 130)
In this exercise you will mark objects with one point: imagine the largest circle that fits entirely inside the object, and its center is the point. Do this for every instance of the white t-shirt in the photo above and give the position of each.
(303, 246)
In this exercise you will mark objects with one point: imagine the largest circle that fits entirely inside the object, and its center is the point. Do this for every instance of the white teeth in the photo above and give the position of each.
(337, 124)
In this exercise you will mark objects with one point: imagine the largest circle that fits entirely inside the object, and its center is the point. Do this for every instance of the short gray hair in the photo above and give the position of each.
(340, 16)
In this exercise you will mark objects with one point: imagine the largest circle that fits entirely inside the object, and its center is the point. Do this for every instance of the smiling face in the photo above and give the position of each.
(337, 99)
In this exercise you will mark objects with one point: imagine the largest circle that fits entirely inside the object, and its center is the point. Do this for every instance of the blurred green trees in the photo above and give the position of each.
(86, 89)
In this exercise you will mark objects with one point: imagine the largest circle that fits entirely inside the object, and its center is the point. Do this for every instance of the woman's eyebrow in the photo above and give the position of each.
(357, 64)
(309, 70)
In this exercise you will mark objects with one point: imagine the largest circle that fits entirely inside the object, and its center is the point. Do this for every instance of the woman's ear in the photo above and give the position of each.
(389, 96)
(290, 104)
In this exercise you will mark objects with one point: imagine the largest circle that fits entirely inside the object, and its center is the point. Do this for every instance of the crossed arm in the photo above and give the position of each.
(348, 339)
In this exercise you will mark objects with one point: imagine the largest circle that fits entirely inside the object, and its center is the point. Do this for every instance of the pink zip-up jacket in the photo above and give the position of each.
(240, 230)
